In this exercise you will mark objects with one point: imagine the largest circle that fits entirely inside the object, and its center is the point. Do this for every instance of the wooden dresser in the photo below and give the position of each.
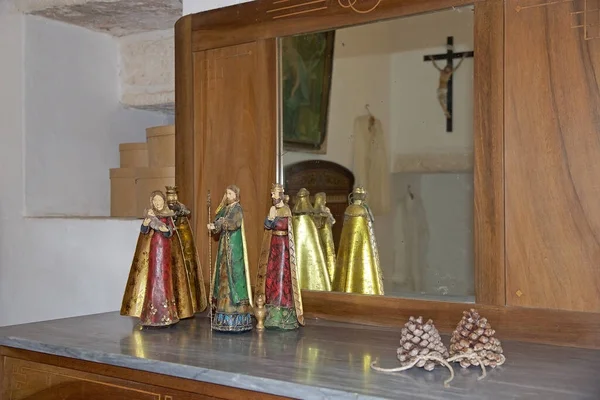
(104, 356)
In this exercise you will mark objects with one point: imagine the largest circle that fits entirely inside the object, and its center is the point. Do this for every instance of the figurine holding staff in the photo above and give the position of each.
(231, 296)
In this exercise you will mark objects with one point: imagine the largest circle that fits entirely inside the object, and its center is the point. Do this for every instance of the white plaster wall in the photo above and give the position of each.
(381, 64)
(73, 120)
(418, 123)
(196, 6)
(360, 76)
(50, 267)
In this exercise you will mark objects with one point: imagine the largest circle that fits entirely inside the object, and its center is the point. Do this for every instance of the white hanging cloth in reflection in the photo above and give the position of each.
(371, 165)
(411, 227)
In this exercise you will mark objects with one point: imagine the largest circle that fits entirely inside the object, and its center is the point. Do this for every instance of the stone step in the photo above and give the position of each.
(148, 71)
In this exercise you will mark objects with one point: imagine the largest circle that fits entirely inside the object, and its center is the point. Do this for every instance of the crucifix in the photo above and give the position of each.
(444, 91)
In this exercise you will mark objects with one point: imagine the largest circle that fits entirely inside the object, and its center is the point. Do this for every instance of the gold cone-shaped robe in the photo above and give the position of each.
(310, 258)
(324, 221)
(357, 265)
(191, 277)
(326, 236)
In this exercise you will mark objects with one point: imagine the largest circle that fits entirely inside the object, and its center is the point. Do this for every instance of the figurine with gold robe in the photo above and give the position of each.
(193, 298)
(230, 290)
(310, 258)
(277, 270)
(357, 268)
(150, 293)
(324, 221)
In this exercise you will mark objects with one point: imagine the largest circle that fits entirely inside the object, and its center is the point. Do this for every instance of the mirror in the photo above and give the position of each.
(386, 107)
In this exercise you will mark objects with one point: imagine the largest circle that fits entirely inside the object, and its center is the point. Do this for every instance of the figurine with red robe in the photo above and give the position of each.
(277, 271)
(150, 293)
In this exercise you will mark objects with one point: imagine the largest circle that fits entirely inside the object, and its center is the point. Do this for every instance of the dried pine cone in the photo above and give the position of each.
(420, 339)
(474, 333)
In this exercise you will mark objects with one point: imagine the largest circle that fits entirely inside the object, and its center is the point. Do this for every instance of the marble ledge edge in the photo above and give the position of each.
(207, 375)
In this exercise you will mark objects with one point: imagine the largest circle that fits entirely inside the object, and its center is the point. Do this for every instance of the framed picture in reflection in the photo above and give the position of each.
(306, 66)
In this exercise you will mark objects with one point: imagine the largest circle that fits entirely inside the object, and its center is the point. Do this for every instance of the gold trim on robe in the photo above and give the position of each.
(135, 290)
(265, 249)
(184, 298)
(247, 267)
(201, 302)
(310, 255)
(245, 251)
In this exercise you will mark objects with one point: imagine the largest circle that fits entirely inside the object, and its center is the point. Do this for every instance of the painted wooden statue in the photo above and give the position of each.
(358, 269)
(230, 293)
(150, 293)
(310, 257)
(324, 221)
(192, 297)
(277, 273)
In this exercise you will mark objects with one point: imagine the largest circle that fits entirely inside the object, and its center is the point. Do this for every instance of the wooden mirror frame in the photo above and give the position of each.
(257, 24)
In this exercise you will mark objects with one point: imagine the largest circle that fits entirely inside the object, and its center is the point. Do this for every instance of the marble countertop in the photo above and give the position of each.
(324, 360)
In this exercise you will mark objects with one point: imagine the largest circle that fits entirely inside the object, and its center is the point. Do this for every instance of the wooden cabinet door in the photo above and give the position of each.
(552, 157)
(235, 135)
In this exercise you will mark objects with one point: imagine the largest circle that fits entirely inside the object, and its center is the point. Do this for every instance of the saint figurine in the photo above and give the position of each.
(310, 258)
(150, 293)
(277, 273)
(357, 267)
(189, 283)
(230, 290)
(324, 221)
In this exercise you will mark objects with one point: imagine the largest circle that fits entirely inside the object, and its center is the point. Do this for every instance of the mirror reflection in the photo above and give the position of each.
(377, 133)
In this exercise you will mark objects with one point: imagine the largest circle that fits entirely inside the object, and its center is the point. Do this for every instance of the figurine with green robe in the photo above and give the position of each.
(230, 290)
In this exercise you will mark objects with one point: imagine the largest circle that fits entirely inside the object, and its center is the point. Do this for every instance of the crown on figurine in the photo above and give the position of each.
(277, 188)
(171, 193)
(359, 193)
(303, 193)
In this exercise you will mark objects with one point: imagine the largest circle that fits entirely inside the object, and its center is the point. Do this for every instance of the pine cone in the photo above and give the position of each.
(474, 333)
(420, 339)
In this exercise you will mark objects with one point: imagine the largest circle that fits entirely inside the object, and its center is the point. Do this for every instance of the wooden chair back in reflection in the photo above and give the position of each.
(322, 176)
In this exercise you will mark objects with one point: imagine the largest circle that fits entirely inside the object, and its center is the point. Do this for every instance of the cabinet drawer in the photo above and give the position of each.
(23, 380)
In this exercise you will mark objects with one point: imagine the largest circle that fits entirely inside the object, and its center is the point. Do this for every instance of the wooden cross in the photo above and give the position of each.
(449, 56)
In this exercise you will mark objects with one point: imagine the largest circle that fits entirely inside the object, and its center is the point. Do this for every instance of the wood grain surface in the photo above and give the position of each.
(26, 375)
(235, 131)
(261, 19)
(184, 114)
(564, 328)
(552, 161)
(488, 143)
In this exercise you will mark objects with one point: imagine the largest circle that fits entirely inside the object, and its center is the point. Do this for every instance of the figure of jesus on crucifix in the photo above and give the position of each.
(445, 75)
(444, 90)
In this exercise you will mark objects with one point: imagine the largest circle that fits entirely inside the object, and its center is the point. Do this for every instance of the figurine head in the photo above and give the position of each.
(158, 203)
(277, 195)
(358, 195)
(302, 203)
(232, 194)
(320, 201)
(171, 194)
